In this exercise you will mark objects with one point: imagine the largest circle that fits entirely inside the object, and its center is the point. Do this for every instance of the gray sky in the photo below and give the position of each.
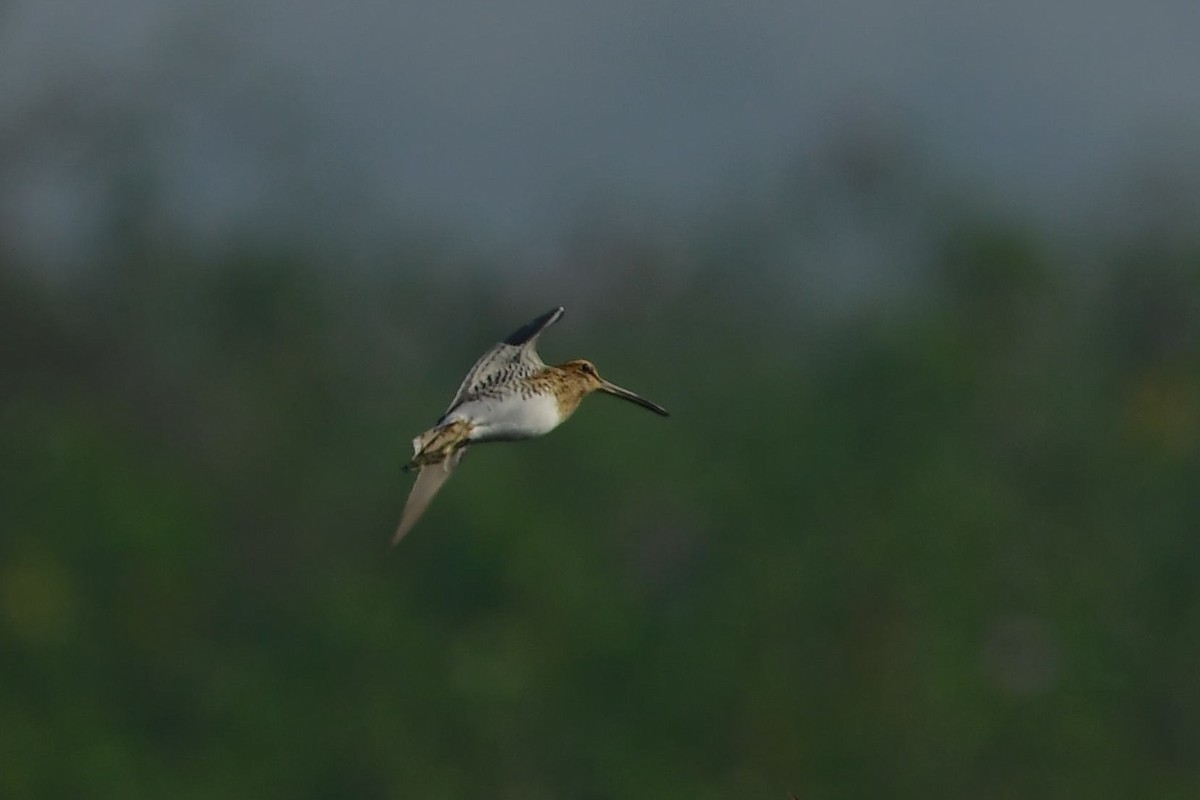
(505, 118)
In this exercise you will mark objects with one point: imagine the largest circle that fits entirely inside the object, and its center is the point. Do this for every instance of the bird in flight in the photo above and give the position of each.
(509, 394)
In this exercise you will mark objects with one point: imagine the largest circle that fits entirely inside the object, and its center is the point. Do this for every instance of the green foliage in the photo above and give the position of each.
(952, 555)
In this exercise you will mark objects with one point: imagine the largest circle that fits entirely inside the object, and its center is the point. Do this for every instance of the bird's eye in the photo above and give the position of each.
(589, 369)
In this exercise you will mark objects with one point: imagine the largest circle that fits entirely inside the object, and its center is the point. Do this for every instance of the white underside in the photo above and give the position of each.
(508, 418)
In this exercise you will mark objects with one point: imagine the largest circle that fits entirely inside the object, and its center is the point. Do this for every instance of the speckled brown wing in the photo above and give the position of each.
(512, 359)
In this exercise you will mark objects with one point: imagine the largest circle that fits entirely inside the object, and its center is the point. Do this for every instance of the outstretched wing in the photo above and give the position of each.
(515, 357)
(428, 482)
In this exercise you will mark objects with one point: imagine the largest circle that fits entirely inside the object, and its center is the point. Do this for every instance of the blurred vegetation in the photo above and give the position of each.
(943, 545)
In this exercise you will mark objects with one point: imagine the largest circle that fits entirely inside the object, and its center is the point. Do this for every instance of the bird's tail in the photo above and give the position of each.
(437, 444)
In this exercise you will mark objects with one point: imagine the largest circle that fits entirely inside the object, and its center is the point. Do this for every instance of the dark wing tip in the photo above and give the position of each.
(532, 329)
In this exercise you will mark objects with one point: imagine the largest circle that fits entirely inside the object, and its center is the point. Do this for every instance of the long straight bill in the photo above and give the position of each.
(625, 394)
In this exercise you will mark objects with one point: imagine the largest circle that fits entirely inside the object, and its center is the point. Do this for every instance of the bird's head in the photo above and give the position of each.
(584, 374)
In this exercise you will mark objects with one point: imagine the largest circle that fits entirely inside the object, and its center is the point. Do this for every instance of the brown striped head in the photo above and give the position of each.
(584, 378)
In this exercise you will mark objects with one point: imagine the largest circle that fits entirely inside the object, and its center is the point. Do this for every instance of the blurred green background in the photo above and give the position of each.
(933, 536)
